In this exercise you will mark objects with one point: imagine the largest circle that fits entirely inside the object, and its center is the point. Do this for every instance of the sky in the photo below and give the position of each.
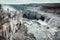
(27, 1)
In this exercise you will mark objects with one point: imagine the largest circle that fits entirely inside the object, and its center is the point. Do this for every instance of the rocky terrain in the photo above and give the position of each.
(29, 22)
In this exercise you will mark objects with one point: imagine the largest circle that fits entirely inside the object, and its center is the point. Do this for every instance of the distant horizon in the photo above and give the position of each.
(27, 1)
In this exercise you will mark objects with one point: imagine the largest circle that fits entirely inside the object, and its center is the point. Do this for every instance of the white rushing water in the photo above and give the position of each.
(36, 27)
(39, 29)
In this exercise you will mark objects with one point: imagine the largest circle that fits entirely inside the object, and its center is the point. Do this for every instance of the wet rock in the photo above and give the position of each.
(57, 36)
(2, 38)
(22, 34)
(30, 36)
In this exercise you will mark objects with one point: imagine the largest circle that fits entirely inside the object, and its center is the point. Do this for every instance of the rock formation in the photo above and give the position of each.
(29, 24)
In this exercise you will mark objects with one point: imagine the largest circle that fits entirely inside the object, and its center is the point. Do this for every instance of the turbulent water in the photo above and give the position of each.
(30, 22)
(39, 29)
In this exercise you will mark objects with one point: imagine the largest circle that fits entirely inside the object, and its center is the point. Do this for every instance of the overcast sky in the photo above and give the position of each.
(28, 1)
